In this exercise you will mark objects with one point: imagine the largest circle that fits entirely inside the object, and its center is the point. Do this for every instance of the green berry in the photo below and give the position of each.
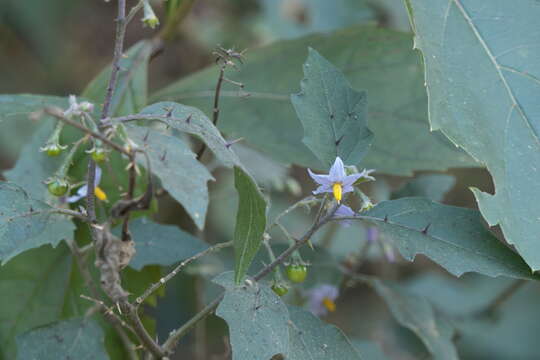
(99, 155)
(58, 187)
(53, 150)
(280, 289)
(297, 273)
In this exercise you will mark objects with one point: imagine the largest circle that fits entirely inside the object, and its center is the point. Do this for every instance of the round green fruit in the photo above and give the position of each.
(54, 150)
(280, 289)
(58, 187)
(296, 273)
(99, 155)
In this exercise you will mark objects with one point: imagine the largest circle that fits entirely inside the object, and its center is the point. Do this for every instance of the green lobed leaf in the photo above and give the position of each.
(16, 127)
(130, 95)
(375, 59)
(312, 339)
(482, 75)
(257, 319)
(32, 287)
(431, 186)
(173, 162)
(159, 244)
(416, 313)
(193, 121)
(332, 113)
(453, 237)
(250, 222)
(79, 338)
(26, 223)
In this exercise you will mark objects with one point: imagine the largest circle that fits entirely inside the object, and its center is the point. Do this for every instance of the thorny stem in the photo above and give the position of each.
(176, 335)
(179, 268)
(115, 321)
(215, 110)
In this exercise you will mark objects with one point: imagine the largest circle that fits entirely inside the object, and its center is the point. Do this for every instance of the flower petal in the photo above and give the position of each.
(337, 171)
(351, 179)
(83, 190)
(319, 179)
(97, 179)
(323, 189)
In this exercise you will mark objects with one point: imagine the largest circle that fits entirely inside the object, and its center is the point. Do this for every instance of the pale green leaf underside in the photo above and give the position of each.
(373, 59)
(453, 237)
(334, 116)
(173, 162)
(26, 223)
(33, 286)
(159, 244)
(78, 338)
(257, 319)
(250, 222)
(483, 79)
(416, 313)
(312, 339)
(131, 90)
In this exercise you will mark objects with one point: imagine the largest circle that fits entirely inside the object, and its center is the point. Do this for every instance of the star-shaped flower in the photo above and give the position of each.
(83, 190)
(321, 299)
(337, 181)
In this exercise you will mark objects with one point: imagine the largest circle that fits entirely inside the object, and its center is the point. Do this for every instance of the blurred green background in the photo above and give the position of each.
(57, 46)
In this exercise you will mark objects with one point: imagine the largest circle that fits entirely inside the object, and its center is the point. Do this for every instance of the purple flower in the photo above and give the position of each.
(321, 299)
(337, 181)
(344, 211)
(83, 190)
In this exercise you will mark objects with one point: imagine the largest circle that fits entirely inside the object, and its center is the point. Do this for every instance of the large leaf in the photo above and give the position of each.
(374, 59)
(332, 113)
(482, 74)
(312, 339)
(26, 223)
(416, 313)
(159, 244)
(250, 222)
(77, 338)
(451, 236)
(257, 319)
(32, 287)
(178, 169)
(16, 128)
(130, 95)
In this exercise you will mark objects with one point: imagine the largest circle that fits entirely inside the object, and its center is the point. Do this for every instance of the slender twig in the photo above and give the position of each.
(139, 329)
(215, 110)
(179, 268)
(134, 11)
(70, 212)
(57, 113)
(176, 335)
(305, 201)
